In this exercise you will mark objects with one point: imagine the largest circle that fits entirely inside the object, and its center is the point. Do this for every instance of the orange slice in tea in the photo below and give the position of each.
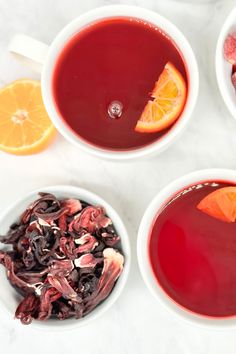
(169, 96)
(25, 127)
(221, 204)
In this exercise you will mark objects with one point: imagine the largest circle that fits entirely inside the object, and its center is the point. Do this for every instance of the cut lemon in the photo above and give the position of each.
(169, 96)
(25, 127)
(221, 204)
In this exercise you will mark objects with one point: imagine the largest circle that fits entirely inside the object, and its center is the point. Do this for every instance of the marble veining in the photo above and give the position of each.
(136, 323)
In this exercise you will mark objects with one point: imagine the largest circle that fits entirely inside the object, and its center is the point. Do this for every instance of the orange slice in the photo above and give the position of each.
(221, 204)
(25, 127)
(169, 96)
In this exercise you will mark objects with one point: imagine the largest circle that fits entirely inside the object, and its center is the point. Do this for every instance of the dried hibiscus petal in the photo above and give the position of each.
(87, 243)
(91, 218)
(87, 261)
(67, 246)
(66, 266)
(62, 223)
(48, 295)
(51, 216)
(62, 260)
(113, 266)
(73, 206)
(27, 309)
(230, 48)
(13, 235)
(59, 282)
(88, 284)
(44, 197)
(63, 311)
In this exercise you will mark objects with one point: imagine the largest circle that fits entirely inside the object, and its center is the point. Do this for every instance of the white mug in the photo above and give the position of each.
(43, 58)
(143, 247)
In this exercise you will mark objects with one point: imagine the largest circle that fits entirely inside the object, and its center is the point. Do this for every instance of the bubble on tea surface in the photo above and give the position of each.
(115, 109)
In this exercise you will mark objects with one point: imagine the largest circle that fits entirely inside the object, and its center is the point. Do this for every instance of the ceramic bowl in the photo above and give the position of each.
(9, 298)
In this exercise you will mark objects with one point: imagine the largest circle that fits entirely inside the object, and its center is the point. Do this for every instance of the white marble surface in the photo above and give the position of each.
(136, 324)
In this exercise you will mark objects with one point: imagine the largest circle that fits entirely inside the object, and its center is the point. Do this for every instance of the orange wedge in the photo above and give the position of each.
(169, 96)
(25, 127)
(221, 204)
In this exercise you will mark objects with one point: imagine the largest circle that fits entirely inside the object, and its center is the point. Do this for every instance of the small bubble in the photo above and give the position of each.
(115, 109)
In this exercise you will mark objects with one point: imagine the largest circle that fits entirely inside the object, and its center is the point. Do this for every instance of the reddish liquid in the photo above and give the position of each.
(193, 256)
(114, 59)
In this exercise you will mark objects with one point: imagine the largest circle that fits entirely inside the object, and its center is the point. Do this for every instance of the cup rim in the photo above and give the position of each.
(84, 194)
(152, 284)
(219, 62)
(128, 11)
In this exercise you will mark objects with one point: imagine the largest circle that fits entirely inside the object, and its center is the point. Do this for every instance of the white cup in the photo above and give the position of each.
(143, 246)
(40, 56)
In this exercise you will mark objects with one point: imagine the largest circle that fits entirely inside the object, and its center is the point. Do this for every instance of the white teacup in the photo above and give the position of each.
(143, 246)
(42, 57)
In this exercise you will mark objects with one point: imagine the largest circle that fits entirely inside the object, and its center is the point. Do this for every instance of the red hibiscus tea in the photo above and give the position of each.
(103, 78)
(193, 255)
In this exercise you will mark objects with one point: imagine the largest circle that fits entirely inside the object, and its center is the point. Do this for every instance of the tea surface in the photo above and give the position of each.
(116, 59)
(193, 255)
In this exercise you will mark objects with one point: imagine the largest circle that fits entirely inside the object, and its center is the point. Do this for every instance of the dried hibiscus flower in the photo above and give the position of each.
(65, 258)
(229, 51)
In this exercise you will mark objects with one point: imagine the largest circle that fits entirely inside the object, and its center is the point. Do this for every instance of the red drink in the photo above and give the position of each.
(193, 255)
(117, 59)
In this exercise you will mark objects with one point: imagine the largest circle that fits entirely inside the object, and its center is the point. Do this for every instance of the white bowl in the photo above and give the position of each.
(107, 12)
(223, 68)
(142, 246)
(9, 298)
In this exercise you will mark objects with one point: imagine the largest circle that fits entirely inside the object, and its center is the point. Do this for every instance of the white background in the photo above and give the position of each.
(136, 323)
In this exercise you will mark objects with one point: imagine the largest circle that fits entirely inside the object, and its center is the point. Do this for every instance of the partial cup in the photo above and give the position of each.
(224, 68)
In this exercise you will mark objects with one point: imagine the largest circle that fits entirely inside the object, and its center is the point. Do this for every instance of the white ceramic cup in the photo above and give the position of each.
(9, 298)
(223, 68)
(143, 246)
(43, 57)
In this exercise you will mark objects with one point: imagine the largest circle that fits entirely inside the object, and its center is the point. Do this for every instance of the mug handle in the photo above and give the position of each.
(29, 51)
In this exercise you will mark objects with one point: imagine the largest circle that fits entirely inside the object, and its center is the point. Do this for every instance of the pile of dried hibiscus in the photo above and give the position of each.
(65, 258)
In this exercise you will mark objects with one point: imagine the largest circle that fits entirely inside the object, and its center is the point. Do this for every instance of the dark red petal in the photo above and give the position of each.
(64, 311)
(27, 308)
(112, 268)
(62, 223)
(59, 282)
(44, 197)
(51, 216)
(13, 278)
(48, 295)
